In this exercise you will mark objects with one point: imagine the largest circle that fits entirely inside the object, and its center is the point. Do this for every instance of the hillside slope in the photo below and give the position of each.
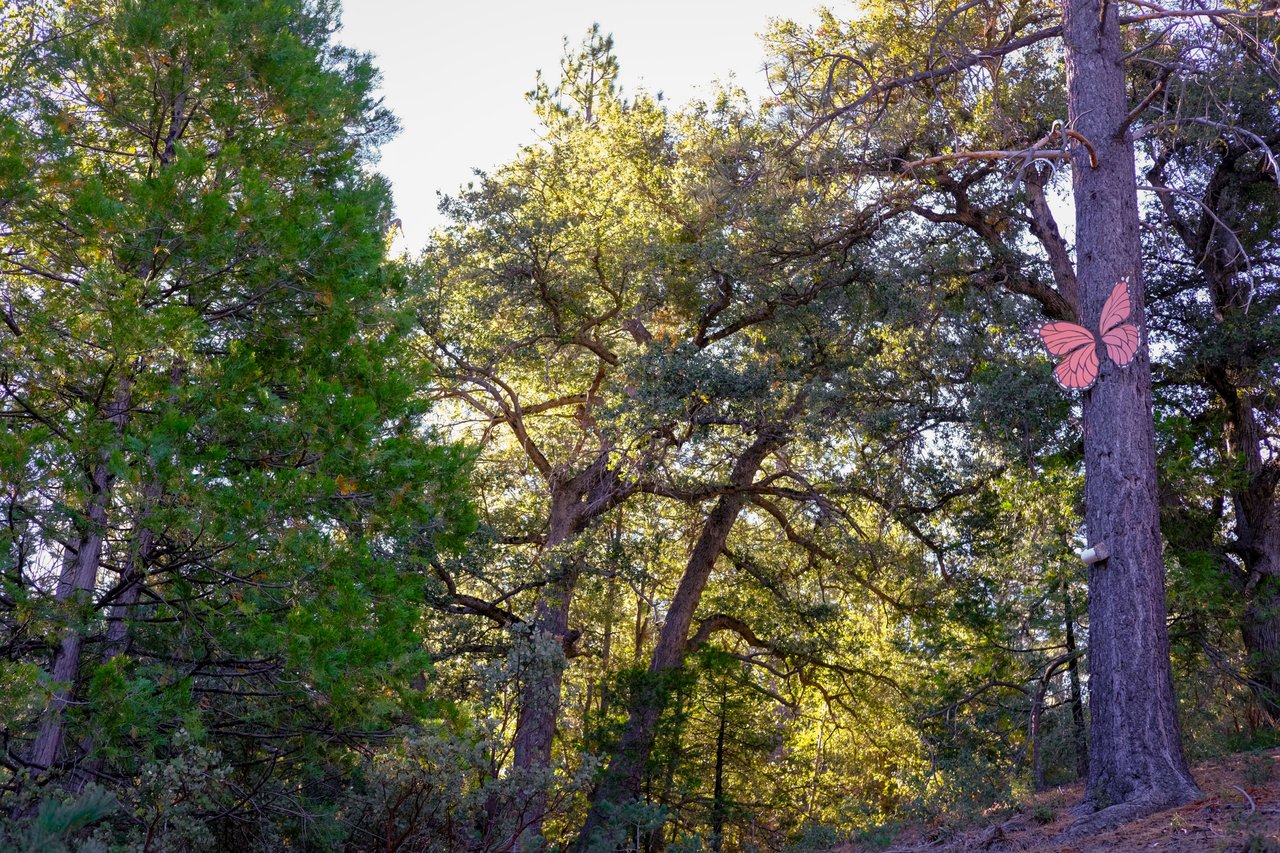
(1239, 813)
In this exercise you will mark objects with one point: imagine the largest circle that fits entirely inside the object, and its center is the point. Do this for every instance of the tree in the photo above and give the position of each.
(1136, 762)
(965, 73)
(669, 342)
(536, 272)
(761, 441)
(1214, 228)
(211, 470)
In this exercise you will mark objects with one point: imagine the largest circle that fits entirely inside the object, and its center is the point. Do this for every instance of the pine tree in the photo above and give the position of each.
(214, 457)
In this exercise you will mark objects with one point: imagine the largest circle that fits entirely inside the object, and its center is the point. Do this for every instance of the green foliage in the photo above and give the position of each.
(422, 792)
(350, 524)
(633, 823)
(1257, 843)
(57, 822)
(208, 396)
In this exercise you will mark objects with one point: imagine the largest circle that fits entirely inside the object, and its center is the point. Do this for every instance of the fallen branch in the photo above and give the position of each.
(1253, 807)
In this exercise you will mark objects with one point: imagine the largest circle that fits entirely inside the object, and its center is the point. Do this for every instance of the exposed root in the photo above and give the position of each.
(1089, 823)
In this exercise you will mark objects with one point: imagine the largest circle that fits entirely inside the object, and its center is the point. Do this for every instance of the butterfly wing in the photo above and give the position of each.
(1118, 336)
(1121, 343)
(1117, 307)
(1077, 350)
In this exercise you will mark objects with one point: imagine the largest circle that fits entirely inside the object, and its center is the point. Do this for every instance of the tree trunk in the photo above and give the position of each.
(138, 560)
(1257, 531)
(1079, 738)
(116, 637)
(717, 795)
(79, 573)
(542, 671)
(622, 779)
(1136, 761)
(1260, 629)
(1037, 717)
(78, 577)
(541, 649)
(1033, 735)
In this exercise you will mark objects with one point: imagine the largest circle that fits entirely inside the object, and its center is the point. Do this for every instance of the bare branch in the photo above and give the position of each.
(1045, 228)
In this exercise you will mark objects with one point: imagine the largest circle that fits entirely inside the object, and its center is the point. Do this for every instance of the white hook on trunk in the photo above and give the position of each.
(1095, 554)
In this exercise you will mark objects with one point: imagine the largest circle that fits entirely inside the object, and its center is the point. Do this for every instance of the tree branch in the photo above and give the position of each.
(723, 622)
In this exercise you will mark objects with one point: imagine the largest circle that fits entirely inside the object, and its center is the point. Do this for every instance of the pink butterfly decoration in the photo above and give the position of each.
(1077, 347)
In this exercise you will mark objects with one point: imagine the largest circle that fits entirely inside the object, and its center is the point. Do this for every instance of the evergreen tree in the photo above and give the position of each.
(215, 461)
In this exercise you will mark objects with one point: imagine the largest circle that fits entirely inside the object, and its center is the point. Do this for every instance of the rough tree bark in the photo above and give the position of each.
(575, 503)
(1136, 761)
(622, 778)
(1260, 629)
(540, 687)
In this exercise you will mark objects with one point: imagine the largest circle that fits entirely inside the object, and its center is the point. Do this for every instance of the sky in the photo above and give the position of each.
(456, 72)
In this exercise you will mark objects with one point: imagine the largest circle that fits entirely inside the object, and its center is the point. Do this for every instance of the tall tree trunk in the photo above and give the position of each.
(139, 557)
(1136, 760)
(543, 649)
(129, 589)
(116, 639)
(1079, 739)
(1037, 717)
(76, 582)
(1033, 737)
(717, 796)
(1257, 531)
(1260, 629)
(622, 779)
(542, 674)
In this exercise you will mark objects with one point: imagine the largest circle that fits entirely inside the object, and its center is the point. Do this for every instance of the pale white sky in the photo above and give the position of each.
(455, 72)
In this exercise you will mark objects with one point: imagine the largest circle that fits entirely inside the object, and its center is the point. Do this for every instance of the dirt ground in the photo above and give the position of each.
(1240, 813)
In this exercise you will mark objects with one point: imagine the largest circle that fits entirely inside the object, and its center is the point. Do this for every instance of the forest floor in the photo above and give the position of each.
(1239, 813)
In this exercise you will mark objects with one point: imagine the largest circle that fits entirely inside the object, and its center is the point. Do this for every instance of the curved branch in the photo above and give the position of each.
(723, 622)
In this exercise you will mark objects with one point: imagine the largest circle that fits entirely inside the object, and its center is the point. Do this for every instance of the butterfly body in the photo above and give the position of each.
(1078, 349)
